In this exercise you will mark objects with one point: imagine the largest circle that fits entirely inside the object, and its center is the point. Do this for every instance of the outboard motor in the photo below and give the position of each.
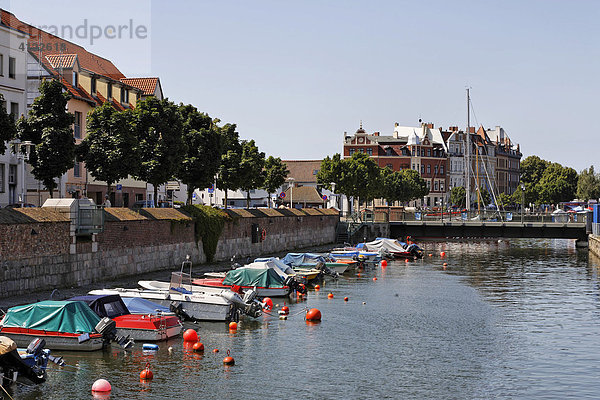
(415, 250)
(326, 271)
(249, 305)
(177, 309)
(108, 329)
(295, 285)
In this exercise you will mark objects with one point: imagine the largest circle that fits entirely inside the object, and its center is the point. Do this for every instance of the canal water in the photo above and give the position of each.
(515, 319)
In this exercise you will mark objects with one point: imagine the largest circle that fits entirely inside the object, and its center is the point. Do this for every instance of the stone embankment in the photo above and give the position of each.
(38, 251)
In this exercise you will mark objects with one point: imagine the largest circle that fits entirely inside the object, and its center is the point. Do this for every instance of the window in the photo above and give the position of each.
(77, 125)
(77, 170)
(428, 152)
(12, 174)
(12, 67)
(428, 184)
(1, 64)
(441, 170)
(388, 151)
(93, 86)
(435, 169)
(1, 178)
(75, 79)
(109, 91)
(124, 95)
(429, 168)
(351, 152)
(14, 111)
(370, 152)
(422, 152)
(390, 166)
(436, 186)
(441, 186)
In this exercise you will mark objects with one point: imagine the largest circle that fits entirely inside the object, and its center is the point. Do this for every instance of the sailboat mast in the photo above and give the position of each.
(468, 155)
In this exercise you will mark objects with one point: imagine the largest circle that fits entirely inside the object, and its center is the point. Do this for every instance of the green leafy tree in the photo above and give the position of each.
(504, 200)
(203, 156)
(362, 177)
(251, 167)
(588, 184)
(109, 149)
(402, 186)
(532, 169)
(458, 196)
(417, 186)
(49, 128)
(558, 184)
(332, 172)
(158, 129)
(274, 175)
(8, 129)
(228, 177)
(484, 197)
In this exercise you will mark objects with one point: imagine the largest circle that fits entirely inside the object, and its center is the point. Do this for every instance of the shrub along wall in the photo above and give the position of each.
(34, 243)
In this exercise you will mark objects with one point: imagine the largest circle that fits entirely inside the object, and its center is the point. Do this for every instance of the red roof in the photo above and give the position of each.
(147, 85)
(52, 44)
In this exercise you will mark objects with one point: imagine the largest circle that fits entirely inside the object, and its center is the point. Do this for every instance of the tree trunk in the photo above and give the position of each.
(155, 195)
(269, 199)
(190, 193)
(108, 185)
(247, 199)
(225, 198)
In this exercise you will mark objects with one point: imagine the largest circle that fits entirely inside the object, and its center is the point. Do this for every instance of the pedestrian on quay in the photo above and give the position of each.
(106, 201)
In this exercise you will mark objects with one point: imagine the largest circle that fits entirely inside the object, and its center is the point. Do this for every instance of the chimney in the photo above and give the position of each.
(471, 129)
(429, 125)
(375, 133)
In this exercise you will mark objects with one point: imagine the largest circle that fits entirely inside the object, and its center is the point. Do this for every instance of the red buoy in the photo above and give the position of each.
(383, 263)
(345, 299)
(317, 287)
(198, 347)
(374, 278)
(228, 360)
(215, 350)
(443, 254)
(330, 296)
(406, 260)
(233, 326)
(146, 374)
(313, 315)
(285, 310)
(101, 385)
(190, 335)
(268, 303)
(445, 264)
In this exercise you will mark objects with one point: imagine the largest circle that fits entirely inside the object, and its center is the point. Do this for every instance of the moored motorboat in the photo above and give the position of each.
(64, 325)
(24, 365)
(393, 248)
(263, 277)
(146, 327)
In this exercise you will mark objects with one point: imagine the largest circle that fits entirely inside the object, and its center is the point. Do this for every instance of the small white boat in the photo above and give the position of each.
(201, 306)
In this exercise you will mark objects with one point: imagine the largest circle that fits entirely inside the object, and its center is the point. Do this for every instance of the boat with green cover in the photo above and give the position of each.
(64, 325)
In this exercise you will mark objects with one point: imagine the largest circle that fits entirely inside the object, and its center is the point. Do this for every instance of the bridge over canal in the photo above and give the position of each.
(437, 226)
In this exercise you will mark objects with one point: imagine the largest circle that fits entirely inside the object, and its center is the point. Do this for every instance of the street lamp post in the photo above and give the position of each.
(18, 147)
(291, 181)
(522, 201)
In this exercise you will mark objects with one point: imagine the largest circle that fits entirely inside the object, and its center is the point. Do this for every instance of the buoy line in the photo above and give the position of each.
(9, 396)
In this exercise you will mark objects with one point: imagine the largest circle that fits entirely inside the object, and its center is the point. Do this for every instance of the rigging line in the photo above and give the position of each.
(9, 396)
(473, 111)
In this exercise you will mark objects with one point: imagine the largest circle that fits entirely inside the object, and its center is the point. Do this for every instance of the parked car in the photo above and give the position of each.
(143, 204)
(20, 205)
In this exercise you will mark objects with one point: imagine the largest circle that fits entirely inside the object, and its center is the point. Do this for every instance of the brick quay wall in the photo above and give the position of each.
(39, 251)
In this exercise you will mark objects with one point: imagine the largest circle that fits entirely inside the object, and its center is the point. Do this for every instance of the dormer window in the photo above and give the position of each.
(124, 96)
(75, 79)
(109, 91)
(93, 86)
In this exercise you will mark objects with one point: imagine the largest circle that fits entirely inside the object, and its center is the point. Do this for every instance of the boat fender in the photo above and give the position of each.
(150, 346)
(263, 234)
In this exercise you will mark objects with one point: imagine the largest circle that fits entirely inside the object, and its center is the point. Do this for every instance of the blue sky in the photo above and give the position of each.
(295, 75)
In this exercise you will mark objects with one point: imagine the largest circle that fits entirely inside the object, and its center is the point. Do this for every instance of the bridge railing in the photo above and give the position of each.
(487, 215)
